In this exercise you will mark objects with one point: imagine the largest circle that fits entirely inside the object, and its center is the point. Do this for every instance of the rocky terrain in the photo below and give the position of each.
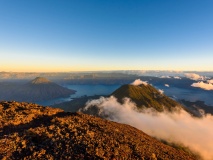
(30, 131)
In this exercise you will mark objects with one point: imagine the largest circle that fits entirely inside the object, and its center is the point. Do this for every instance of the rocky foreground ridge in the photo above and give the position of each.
(30, 131)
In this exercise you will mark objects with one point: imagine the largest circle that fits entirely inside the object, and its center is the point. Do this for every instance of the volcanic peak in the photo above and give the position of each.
(146, 96)
(40, 80)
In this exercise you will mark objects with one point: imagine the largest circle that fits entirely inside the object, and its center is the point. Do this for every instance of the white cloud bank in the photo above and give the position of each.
(176, 77)
(203, 85)
(195, 133)
(194, 76)
(139, 82)
(166, 85)
(165, 77)
(161, 91)
(210, 81)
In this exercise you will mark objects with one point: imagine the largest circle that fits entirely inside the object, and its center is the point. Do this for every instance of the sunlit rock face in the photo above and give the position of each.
(30, 131)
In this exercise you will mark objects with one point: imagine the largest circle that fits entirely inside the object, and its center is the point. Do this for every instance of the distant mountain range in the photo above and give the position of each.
(36, 132)
(39, 89)
(98, 74)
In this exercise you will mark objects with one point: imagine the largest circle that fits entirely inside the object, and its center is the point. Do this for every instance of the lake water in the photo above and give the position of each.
(189, 94)
(178, 93)
(91, 90)
(82, 90)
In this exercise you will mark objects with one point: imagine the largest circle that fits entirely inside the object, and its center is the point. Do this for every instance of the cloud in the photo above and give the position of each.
(194, 76)
(161, 91)
(210, 81)
(139, 82)
(176, 77)
(166, 85)
(205, 86)
(181, 127)
(165, 77)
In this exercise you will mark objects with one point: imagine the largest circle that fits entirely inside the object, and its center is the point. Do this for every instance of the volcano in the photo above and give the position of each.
(39, 89)
(146, 96)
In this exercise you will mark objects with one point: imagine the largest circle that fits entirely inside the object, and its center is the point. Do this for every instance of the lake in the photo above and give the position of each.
(190, 94)
(82, 90)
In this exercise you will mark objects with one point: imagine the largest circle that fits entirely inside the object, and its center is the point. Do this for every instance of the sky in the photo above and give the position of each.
(96, 35)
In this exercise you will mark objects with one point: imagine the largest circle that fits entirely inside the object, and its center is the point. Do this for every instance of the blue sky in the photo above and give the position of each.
(82, 35)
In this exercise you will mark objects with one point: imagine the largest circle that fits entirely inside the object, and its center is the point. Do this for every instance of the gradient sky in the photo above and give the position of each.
(82, 35)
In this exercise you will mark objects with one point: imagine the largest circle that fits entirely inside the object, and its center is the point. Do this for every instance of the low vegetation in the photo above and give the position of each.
(146, 96)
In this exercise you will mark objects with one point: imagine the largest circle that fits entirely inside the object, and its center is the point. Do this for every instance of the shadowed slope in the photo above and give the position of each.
(39, 89)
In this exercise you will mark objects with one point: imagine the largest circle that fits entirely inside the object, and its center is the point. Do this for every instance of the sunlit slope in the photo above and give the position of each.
(36, 132)
(146, 96)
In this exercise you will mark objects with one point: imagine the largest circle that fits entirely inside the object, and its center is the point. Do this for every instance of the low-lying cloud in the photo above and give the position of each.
(167, 85)
(161, 91)
(165, 77)
(181, 127)
(139, 82)
(176, 77)
(210, 81)
(203, 85)
(194, 76)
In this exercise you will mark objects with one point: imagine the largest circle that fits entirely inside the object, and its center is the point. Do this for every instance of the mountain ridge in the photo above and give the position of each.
(146, 96)
(37, 132)
(37, 90)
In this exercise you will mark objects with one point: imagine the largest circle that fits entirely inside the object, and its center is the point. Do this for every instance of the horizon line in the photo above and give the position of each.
(105, 71)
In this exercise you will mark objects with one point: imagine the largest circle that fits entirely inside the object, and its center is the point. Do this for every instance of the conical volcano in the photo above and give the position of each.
(147, 96)
(40, 89)
(40, 80)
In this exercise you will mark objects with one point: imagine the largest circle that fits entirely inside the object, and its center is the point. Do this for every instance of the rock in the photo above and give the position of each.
(50, 133)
